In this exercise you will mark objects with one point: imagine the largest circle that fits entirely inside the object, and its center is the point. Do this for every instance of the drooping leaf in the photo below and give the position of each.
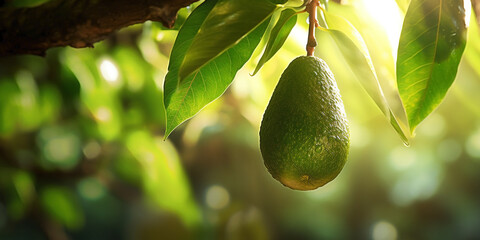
(431, 44)
(355, 52)
(279, 34)
(184, 99)
(226, 24)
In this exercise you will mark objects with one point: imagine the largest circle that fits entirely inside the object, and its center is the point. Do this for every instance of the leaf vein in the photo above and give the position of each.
(419, 51)
(424, 95)
(416, 83)
(420, 35)
(414, 70)
(184, 96)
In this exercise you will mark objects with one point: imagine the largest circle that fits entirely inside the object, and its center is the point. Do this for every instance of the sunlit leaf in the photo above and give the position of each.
(226, 24)
(164, 180)
(279, 34)
(403, 4)
(431, 44)
(294, 3)
(185, 99)
(355, 52)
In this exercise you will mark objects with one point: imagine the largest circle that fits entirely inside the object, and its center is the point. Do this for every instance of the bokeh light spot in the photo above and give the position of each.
(401, 158)
(384, 230)
(449, 150)
(360, 136)
(92, 149)
(420, 182)
(91, 189)
(103, 114)
(60, 149)
(217, 197)
(472, 145)
(387, 14)
(108, 70)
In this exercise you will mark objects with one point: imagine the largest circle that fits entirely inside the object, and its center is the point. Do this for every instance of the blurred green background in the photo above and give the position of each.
(82, 154)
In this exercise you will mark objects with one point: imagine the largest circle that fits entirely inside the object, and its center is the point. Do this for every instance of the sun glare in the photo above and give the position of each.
(387, 14)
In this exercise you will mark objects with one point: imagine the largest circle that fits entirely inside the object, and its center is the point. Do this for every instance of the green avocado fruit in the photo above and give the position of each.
(304, 135)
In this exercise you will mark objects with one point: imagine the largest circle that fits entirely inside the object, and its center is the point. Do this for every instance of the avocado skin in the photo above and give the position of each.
(304, 134)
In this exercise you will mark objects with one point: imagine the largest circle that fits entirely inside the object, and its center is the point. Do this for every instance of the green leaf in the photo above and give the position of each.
(279, 34)
(226, 24)
(355, 52)
(431, 44)
(184, 99)
(403, 4)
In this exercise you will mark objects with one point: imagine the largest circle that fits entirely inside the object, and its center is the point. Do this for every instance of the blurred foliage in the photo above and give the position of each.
(23, 3)
(82, 154)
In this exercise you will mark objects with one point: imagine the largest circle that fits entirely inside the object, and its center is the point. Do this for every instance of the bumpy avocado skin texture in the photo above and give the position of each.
(304, 135)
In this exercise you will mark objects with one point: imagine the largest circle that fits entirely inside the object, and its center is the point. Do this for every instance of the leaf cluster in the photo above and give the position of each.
(220, 36)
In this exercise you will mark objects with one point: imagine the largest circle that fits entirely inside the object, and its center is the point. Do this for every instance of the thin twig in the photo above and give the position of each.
(313, 23)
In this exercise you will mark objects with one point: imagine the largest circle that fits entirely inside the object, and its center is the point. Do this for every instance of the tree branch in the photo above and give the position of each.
(77, 23)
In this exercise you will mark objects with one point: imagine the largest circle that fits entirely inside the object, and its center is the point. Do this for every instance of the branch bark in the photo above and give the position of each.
(77, 23)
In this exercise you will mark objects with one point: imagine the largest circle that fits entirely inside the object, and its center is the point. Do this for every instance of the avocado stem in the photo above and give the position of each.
(311, 8)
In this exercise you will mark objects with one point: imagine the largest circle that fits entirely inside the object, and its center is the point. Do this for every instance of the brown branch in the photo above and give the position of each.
(77, 23)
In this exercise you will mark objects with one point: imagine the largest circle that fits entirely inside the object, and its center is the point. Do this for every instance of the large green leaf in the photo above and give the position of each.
(184, 99)
(431, 44)
(355, 52)
(227, 23)
(279, 34)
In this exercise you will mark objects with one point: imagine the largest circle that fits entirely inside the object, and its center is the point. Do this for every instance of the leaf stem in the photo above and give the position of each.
(311, 8)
